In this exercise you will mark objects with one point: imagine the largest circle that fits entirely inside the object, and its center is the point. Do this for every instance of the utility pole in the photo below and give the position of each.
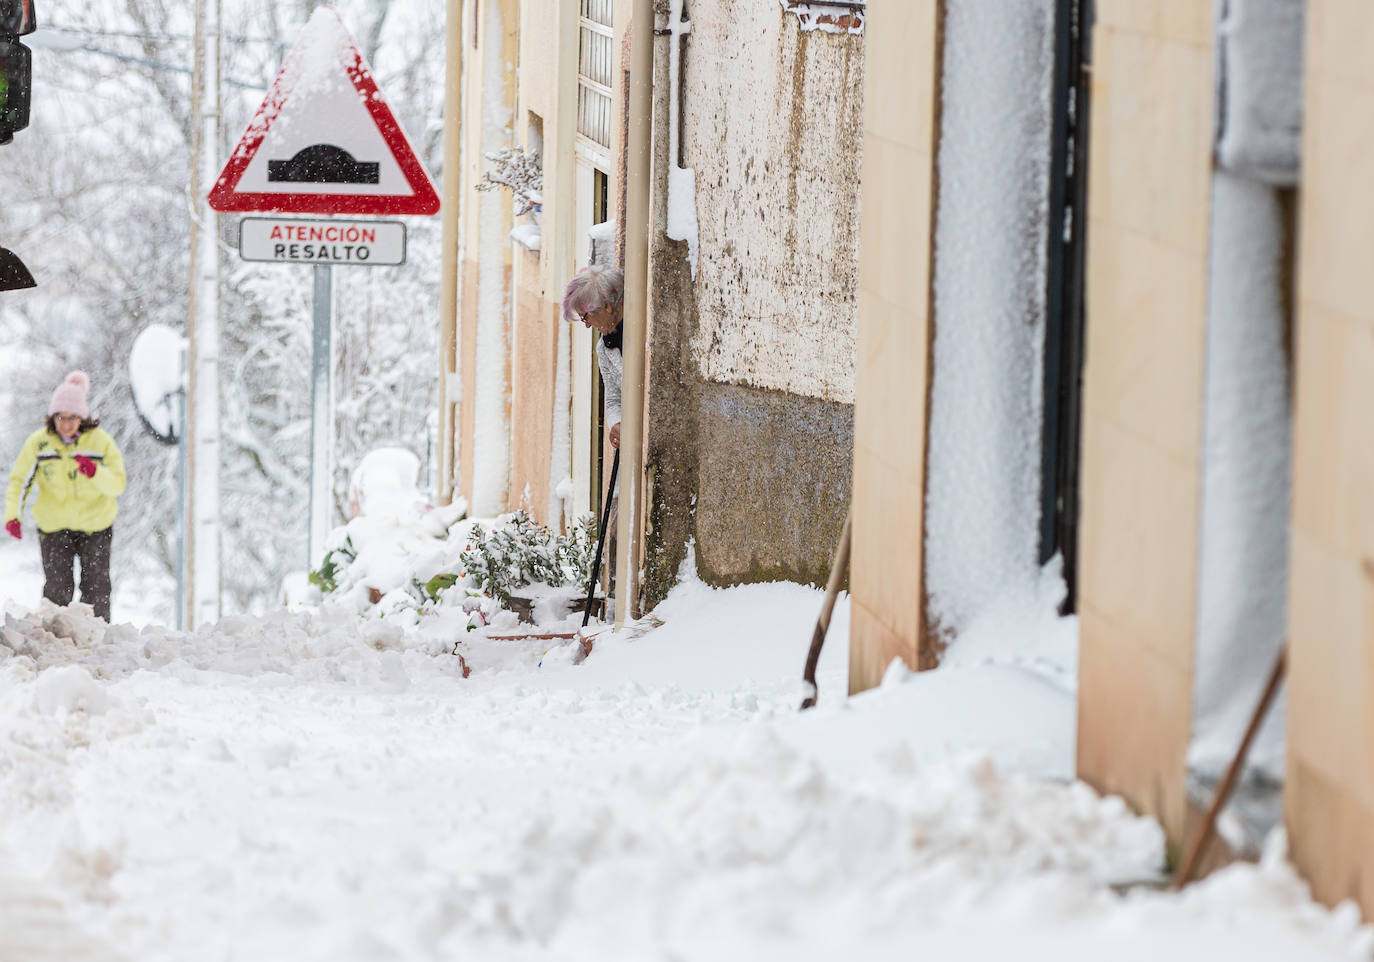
(449, 393)
(202, 577)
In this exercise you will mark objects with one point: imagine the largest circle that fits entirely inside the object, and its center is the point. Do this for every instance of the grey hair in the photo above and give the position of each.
(591, 289)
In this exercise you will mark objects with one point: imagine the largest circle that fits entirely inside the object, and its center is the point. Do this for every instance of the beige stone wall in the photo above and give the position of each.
(1329, 804)
(467, 372)
(895, 236)
(547, 91)
(1149, 176)
(504, 47)
(535, 354)
(539, 26)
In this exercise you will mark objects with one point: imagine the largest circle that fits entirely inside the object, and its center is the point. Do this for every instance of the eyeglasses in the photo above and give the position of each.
(67, 417)
(586, 316)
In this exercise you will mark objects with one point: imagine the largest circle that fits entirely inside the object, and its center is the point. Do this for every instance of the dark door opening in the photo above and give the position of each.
(601, 188)
(600, 212)
(1064, 303)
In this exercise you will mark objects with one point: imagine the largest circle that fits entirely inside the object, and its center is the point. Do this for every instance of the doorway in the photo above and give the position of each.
(1064, 300)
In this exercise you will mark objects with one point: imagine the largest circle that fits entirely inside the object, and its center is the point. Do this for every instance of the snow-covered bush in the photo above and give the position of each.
(376, 554)
(417, 564)
(523, 552)
(326, 576)
(522, 172)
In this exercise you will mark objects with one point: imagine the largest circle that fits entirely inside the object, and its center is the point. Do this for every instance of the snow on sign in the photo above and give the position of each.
(324, 140)
(374, 243)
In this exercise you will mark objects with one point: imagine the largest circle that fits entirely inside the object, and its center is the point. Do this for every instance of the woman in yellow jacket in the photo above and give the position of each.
(79, 473)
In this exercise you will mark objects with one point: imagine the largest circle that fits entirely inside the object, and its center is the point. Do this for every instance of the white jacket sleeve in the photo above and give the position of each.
(612, 364)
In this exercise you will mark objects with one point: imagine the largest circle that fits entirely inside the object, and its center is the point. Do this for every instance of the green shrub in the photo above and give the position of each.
(334, 562)
(523, 552)
(440, 583)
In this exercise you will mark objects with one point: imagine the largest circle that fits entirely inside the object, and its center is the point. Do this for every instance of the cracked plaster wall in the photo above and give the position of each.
(771, 120)
(750, 422)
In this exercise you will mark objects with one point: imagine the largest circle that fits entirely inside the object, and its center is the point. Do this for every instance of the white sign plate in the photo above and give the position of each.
(331, 242)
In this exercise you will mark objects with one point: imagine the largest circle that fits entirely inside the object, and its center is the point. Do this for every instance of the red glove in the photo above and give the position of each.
(12, 526)
(85, 465)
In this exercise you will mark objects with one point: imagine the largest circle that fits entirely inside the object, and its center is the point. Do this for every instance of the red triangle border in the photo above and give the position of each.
(225, 197)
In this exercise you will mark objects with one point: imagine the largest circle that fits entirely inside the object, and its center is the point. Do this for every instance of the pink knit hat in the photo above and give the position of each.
(70, 396)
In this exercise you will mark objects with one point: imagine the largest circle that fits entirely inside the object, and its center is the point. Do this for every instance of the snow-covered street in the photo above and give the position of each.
(377, 341)
(314, 786)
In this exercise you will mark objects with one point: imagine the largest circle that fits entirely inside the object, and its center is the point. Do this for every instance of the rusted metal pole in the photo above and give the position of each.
(1199, 842)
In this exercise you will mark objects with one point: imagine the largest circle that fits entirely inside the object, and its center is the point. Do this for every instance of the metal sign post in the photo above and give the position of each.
(321, 411)
(324, 141)
(181, 497)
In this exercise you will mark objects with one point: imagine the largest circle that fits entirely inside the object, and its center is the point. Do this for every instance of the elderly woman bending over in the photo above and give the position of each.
(595, 296)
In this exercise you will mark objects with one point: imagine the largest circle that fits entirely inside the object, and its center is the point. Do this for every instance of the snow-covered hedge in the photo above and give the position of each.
(440, 558)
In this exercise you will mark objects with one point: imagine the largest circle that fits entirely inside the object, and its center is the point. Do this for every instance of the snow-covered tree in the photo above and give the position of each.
(96, 202)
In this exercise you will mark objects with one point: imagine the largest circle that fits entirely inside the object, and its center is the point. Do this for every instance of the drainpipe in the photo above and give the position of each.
(449, 393)
(629, 534)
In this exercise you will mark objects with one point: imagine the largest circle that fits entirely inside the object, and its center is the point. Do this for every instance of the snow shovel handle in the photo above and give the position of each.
(1204, 832)
(839, 568)
(601, 540)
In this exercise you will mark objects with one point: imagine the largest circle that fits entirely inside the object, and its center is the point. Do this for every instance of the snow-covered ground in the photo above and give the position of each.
(138, 599)
(317, 786)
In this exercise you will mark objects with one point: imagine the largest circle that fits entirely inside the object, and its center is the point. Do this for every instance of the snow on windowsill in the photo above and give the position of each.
(526, 235)
(841, 16)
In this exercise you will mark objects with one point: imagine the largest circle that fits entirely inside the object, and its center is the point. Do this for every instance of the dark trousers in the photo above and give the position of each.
(60, 549)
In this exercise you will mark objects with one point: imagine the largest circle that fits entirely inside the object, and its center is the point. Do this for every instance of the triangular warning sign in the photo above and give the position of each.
(324, 140)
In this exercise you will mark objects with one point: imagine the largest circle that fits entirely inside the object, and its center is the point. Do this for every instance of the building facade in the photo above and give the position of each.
(1216, 416)
(750, 336)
